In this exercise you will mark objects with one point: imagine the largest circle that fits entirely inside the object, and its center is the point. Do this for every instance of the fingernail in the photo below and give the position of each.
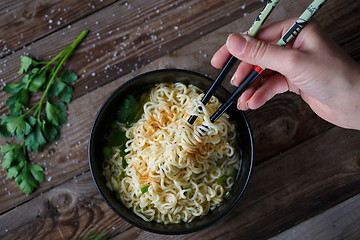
(232, 80)
(247, 104)
(236, 42)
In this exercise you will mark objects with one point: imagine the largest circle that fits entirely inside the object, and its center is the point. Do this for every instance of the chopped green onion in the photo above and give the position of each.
(144, 189)
(107, 151)
(223, 179)
(227, 194)
(124, 164)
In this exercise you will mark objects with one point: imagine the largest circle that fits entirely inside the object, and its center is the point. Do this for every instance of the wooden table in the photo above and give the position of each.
(306, 179)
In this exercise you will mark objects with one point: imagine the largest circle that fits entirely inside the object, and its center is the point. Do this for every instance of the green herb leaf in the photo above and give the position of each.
(13, 171)
(223, 179)
(68, 76)
(50, 131)
(117, 138)
(107, 151)
(57, 87)
(26, 180)
(62, 115)
(61, 90)
(66, 94)
(18, 100)
(128, 111)
(17, 126)
(144, 189)
(3, 131)
(12, 154)
(13, 88)
(124, 164)
(55, 113)
(26, 62)
(35, 125)
(52, 113)
(37, 82)
(35, 140)
(36, 171)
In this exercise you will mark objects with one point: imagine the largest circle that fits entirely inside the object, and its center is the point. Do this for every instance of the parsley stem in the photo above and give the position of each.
(66, 52)
(31, 109)
(47, 64)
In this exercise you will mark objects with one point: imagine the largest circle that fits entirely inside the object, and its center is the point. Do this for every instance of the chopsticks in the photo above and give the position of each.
(285, 39)
(271, 4)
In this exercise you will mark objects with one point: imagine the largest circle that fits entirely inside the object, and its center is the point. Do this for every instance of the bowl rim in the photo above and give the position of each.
(239, 196)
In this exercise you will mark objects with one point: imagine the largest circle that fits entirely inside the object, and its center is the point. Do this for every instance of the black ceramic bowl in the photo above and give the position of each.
(105, 116)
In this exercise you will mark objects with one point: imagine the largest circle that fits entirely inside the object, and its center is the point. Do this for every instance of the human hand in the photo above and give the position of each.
(312, 66)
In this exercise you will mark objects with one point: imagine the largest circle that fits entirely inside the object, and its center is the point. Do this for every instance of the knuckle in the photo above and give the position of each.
(258, 50)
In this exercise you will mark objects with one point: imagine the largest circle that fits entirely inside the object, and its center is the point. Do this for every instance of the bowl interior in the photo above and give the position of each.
(104, 118)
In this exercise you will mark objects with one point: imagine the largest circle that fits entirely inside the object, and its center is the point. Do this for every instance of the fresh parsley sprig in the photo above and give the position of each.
(35, 126)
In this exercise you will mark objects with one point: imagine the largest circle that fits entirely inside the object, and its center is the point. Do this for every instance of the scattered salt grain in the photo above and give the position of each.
(153, 38)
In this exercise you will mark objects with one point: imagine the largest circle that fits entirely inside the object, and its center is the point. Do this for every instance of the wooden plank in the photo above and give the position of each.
(336, 18)
(25, 22)
(339, 222)
(68, 156)
(107, 56)
(126, 36)
(288, 189)
(283, 191)
(67, 212)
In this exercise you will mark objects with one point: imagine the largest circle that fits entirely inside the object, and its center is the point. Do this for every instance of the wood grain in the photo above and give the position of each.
(123, 37)
(339, 222)
(295, 121)
(298, 179)
(25, 22)
(304, 166)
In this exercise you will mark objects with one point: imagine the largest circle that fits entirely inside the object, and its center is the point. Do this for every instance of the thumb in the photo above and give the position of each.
(264, 54)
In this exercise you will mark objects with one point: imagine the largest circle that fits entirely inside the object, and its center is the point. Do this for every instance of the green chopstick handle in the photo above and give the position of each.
(231, 61)
(300, 22)
(265, 13)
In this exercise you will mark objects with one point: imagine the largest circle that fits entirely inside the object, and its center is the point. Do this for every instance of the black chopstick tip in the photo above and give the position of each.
(192, 119)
